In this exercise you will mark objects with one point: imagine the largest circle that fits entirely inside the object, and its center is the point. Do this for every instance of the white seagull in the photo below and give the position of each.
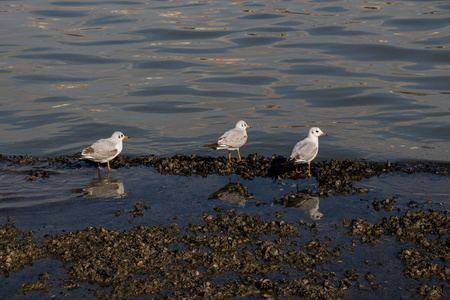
(104, 150)
(233, 139)
(306, 150)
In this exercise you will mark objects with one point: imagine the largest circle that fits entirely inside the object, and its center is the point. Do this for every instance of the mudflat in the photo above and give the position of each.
(237, 241)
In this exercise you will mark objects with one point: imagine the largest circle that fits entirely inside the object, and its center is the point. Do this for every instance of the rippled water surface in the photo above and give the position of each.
(176, 74)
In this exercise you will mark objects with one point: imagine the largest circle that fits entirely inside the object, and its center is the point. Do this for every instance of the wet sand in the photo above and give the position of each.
(395, 248)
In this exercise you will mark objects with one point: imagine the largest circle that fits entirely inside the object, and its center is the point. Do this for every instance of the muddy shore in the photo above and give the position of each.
(228, 253)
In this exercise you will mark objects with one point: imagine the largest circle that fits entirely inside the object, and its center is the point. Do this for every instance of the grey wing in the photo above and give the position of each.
(233, 138)
(304, 151)
(101, 149)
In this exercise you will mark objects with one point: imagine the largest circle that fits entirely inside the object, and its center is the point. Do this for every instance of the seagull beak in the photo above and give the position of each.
(248, 126)
(126, 137)
(323, 133)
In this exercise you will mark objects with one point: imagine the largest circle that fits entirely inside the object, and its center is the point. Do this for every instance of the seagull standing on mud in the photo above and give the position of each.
(306, 150)
(233, 139)
(104, 150)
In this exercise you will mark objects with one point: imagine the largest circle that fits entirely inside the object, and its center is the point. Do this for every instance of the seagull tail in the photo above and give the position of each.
(212, 146)
(77, 155)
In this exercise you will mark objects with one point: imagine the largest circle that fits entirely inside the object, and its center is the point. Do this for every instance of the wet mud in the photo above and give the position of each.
(230, 254)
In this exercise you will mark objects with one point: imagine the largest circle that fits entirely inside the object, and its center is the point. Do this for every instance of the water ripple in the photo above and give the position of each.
(363, 71)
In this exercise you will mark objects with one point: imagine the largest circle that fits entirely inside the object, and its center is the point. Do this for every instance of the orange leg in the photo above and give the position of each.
(229, 157)
(109, 169)
(239, 154)
(99, 166)
(309, 169)
(296, 169)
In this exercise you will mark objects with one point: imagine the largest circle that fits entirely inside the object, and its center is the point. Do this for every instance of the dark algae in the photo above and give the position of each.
(226, 255)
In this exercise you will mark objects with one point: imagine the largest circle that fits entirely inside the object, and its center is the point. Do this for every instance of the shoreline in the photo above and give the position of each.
(334, 177)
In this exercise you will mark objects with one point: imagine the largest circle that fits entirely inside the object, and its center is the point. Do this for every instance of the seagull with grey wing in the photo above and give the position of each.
(104, 150)
(306, 150)
(233, 139)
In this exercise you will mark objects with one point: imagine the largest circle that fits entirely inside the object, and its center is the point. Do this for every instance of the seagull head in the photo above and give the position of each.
(316, 132)
(119, 135)
(242, 124)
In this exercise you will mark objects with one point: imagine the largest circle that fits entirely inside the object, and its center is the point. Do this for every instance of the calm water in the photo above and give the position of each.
(176, 74)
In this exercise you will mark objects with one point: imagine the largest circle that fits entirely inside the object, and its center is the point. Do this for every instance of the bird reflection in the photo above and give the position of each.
(103, 187)
(233, 192)
(304, 200)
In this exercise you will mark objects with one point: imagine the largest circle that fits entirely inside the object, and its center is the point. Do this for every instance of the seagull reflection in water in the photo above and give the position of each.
(304, 200)
(233, 192)
(103, 187)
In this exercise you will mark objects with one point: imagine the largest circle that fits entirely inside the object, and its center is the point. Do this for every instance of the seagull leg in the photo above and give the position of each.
(229, 157)
(309, 170)
(99, 166)
(109, 169)
(296, 169)
(239, 154)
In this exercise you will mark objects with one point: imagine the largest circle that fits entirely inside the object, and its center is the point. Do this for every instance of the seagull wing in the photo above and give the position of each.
(304, 151)
(101, 149)
(233, 138)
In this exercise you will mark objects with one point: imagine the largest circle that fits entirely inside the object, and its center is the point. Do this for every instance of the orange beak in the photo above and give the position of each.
(323, 133)
(248, 126)
(126, 137)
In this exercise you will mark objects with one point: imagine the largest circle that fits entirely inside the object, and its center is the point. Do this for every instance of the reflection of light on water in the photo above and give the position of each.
(42, 26)
(416, 33)
(171, 14)
(23, 67)
(69, 86)
(203, 28)
(103, 187)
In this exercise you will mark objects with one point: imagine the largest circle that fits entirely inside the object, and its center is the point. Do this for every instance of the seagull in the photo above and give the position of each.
(306, 150)
(233, 139)
(104, 150)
